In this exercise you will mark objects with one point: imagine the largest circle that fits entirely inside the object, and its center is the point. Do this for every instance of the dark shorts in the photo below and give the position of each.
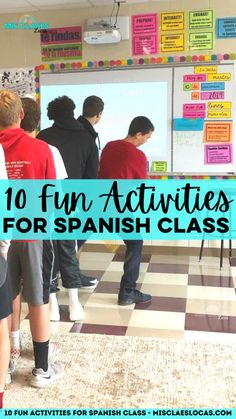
(5, 292)
(31, 263)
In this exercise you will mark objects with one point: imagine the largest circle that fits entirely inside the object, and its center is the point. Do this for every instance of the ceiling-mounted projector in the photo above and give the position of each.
(102, 35)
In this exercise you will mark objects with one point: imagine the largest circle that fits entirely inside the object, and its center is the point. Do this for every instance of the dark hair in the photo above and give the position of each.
(61, 108)
(140, 124)
(92, 106)
(32, 114)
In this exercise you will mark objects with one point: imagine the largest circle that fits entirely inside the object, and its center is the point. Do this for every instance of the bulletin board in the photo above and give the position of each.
(203, 118)
(192, 107)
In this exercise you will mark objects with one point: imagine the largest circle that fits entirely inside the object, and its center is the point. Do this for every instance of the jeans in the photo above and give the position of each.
(67, 264)
(131, 263)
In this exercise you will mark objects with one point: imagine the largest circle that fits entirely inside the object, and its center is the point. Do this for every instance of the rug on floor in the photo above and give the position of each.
(120, 371)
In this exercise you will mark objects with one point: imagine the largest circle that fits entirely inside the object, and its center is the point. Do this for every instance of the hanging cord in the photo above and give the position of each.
(112, 12)
(117, 12)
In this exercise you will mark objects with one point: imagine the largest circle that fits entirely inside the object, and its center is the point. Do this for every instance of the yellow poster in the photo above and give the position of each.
(205, 69)
(172, 21)
(159, 166)
(172, 43)
(217, 106)
(219, 77)
(219, 114)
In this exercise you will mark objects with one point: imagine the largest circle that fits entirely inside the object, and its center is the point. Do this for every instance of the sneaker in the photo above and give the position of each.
(88, 282)
(127, 297)
(41, 379)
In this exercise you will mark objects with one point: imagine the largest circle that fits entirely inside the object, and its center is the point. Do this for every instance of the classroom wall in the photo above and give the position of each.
(21, 48)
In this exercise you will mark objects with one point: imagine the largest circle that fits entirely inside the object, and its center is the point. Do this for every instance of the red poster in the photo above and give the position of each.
(144, 34)
(70, 35)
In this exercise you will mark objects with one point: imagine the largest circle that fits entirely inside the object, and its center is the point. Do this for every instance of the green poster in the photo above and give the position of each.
(159, 166)
(201, 19)
(201, 41)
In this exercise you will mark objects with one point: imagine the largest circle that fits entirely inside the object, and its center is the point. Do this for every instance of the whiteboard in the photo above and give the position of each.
(127, 93)
(189, 149)
(155, 92)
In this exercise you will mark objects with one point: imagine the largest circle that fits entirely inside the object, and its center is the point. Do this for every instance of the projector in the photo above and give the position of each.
(102, 36)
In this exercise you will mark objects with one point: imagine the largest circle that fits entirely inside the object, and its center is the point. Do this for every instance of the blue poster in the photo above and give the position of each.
(226, 27)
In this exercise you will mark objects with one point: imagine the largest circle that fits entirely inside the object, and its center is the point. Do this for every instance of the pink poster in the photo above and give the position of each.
(218, 154)
(194, 110)
(142, 24)
(144, 34)
(188, 78)
(144, 45)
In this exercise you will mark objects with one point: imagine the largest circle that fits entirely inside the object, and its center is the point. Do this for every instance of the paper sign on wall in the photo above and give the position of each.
(226, 27)
(172, 42)
(201, 41)
(61, 43)
(218, 132)
(218, 154)
(172, 21)
(201, 19)
(159, 166)
(144, 34)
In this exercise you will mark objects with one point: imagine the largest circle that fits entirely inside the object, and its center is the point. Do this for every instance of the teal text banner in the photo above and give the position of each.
(124, 209)
(121, 413)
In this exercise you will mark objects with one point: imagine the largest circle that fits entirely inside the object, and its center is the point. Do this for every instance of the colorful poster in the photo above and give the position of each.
(201, 19)
(205, 69)
(172, 43)
(226, 27)
(173, 21)
(144, 34)
(146, 23)
(61, 43)
(201, 41)
(159, 166)
(215, 132)
(144, 45)
(218, 154)
(64, 52)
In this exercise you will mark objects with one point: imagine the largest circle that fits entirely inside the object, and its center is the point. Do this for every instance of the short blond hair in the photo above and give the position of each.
(10, 108)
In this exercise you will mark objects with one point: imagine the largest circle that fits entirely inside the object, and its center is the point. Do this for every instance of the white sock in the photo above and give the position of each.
(54, 308)
(15, 339)
(75, 308)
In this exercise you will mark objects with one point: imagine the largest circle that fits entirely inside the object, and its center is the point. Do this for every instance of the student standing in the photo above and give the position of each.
(80, 156)
(5, 301)
(31, 261)
(122, 159)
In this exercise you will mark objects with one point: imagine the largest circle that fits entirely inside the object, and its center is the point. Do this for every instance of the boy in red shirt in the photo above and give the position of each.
(121, 159)
(27, 158)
